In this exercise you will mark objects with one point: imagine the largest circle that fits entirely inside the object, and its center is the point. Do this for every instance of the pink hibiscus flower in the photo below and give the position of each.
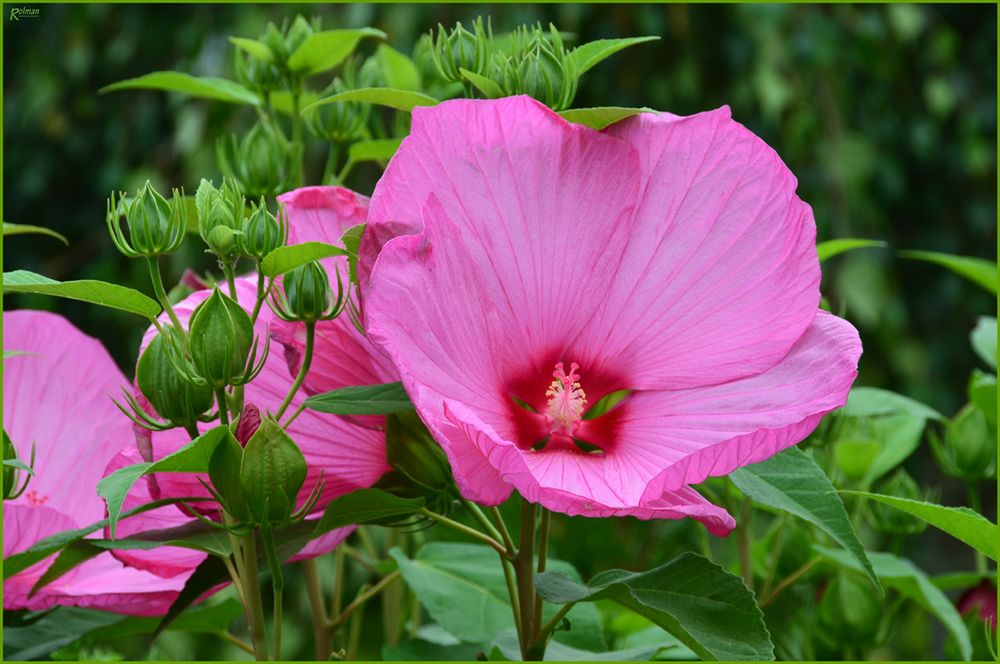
(59, 397)
(346, 456)
(520, 269)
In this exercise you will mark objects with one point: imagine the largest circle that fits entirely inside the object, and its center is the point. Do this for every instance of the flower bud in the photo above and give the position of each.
(411, 450)
(460, 49)
(224, 473)
(155, 226)
(174, 398)
(248, 424)
(272, 472)
(13, 487)
(262, 233)
(261, 77)
(537, 65)
(220, 217)
(890, 520)
(850, 610)
(307, 295)
(968, 451)
(221, 337)
(260, 163)
(341, 121)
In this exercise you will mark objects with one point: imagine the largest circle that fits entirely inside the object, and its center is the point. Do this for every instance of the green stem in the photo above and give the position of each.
(229, 270)
(789, 580)
(775, 555)
(303, 370)
(220, 397)
(976, 503)
(525, 568)
(550, 626)
(336, 597)
(261, 294)
(154, 275)
(332, 157)
(277, 585)
(251, 587)
(364, 597)
(192, 430)
(543, 551)
(502, 527)
(295, 413)
(743, 543)
(314, 588)
(505, 559)
(239, 643)
(462, 528)
(345, 171)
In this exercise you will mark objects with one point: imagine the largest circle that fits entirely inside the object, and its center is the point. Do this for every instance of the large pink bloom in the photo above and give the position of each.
(347, 456)
(548, 265)
(59, 397)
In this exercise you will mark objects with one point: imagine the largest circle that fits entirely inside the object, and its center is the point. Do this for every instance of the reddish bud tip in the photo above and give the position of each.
(248, 424)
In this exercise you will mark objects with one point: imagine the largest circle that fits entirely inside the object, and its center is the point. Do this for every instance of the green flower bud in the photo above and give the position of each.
(423, 57)
(272, 472)
(221, 338)
(174, 398)
(222, 241)
(968, 451)
(537, 65)
(850, 610)
(890, 520)
(262, 233)
(297, 34)
(412, 451)
(275, 41)
(307, 295)
(155, 226)
(341, 121)
(220, 217)
(261, 77)
(13, 468)
(460, 49)
(261, 163)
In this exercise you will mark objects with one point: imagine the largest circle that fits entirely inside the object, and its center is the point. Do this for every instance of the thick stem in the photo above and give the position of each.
(543, 551)
(976, 503)
(251, 586)
(161, 294)
(462, 528)
(550, 626)
(277, 586)
(261, 294)
(220, 397)
(524, 565)
(229, 270)
(303, 370)
(314, 588)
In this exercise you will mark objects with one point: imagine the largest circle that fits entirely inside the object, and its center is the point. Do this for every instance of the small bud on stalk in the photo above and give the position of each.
(890, 520)
(263, 232)
(272, 472)
(223, 346)
(538, 65)
(12, 469)
(261, 163)
(460, 49)
(341, 121)
(411, 450)
(306, 295)
(155, 226)
(220, 217)
(968, 451)
(173, 396)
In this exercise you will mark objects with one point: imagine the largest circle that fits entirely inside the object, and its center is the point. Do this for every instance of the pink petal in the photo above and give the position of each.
(59, 397)
(322, 214)
(721, 277)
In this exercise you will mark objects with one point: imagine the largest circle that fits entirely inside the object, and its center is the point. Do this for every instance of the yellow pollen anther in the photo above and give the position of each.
(567, 399)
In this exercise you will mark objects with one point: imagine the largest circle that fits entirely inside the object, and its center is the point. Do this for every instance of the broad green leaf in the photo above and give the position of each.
(421, 650)
(378, 149)
(401, 100)
(85, 290)
(831, 248)
(287, 258)
(961, 580)
(463, 589)
(960, 522)
(601, 116)
(897, 436)
(400, 71)
(52, 631)
(903, 576)
(205, 618)
(209, 574)
(327, 49)
(362, 400)
(24, 229)
(257, 49)
(207, 87)
(976, 270)
(589, 54)
(792, 482)
(366, 506)
(490, 88)
(708, 609)
(507, 644)
(871, 401)
(984, 340)
(192, 458)
(352, 242)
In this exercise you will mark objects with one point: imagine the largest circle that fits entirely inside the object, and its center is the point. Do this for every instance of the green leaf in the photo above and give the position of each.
(904, 577)
(708, 609)
(362, 400)
(897, 437)
(831, 248)
(287, 258)
(400, 71)
(327, 49)
(463, 589)
(205, 618)
(352, 243)
(210, 573)
(792, 482)
(509, 648)
(484, 84)
(960, 522)
(378, 149)
(206, 87)
(983, 394)
(281, 101)
(23, 229)
(366, 506)
(401, 100)
(601, 116)
(192, 458)
(52, 631)
(589, 54)
(872, 401)
(976, 270)
(984, 340)
(257, 49)
(85, 290)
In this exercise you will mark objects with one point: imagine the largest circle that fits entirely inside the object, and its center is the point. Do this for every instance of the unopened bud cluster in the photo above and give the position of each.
(154, 225)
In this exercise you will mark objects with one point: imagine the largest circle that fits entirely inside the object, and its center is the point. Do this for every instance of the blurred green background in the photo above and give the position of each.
(886, 114)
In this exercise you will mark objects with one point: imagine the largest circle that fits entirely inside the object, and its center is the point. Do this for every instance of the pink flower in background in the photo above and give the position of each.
(59, 396)
(548, 266)
(348, 456)
(981, 598)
